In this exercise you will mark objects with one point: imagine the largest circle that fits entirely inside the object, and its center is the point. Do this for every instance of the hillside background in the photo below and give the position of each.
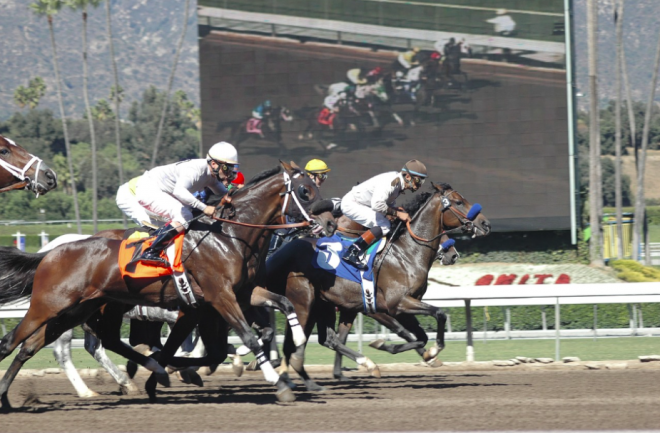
(146, 33)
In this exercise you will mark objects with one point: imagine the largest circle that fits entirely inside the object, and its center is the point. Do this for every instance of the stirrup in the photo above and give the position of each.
(153, 259)
(352, 256)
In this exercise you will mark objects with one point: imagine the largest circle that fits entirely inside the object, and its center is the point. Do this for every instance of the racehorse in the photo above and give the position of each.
(377, 100)
(222, 259)
(335, 126)
(400, 273)
(269, 128)
(20, 169)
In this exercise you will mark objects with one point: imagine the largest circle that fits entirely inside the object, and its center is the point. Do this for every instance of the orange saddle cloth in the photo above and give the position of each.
(133, 247)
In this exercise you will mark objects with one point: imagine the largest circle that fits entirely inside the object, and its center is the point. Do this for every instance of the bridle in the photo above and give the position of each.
(19, 173)
(467, 221)
(285, 205)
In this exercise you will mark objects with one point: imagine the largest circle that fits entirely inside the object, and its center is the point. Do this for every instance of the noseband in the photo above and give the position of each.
(466, 223)
(19, 173)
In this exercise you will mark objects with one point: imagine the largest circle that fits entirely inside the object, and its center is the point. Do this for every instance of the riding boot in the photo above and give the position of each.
(355, 253)
(152, 254)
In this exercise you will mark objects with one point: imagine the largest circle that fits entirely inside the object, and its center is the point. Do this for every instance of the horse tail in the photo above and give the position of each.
(17, 271)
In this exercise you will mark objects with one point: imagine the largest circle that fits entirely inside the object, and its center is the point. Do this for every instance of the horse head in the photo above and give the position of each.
(23, 170)
(447, 253)
(458, 214)
(306, 202)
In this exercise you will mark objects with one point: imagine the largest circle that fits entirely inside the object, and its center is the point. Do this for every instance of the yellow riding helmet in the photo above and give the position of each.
(316, 166)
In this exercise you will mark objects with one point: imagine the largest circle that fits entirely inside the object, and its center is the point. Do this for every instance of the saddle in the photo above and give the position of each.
(326, 117)
(138, 274)
(253, 126)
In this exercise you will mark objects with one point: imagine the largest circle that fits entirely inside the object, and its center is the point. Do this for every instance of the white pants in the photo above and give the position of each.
(364, 215)
(160, 203)
(128, 203)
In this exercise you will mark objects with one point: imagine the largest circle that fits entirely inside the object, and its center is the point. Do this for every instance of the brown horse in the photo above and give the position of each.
(221, 259)
(19, 169)
(400, 272)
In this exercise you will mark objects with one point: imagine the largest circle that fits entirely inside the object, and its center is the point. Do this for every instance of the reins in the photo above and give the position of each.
(264, 226)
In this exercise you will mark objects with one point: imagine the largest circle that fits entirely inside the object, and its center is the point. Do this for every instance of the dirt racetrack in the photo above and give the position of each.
(418, 399)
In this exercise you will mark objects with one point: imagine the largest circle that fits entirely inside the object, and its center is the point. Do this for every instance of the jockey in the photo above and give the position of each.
(129, 205)
(371, 201)
(167, 192)
(407, 60)
(357, 76)
(330, 109)
(318, 171)
(262, 109)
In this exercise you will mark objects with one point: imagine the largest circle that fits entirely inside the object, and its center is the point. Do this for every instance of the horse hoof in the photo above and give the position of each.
(434, 363)
(331, 146)
(211, 369)
(301, 137)
(131, 369)
(341, 378)
(372, 368)
(377, 344)
(252, 366)
(314, 387)
(431, 353)
(90, 394)
(163, 379)
(285, 395)
(129, 389)
(196, 379)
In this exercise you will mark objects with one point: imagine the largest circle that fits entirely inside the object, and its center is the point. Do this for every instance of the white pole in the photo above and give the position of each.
(359, 332)
(468, 323)
(44, 238)
(557, 326)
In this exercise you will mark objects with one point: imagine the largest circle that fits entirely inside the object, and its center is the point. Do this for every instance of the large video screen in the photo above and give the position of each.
(474, 89)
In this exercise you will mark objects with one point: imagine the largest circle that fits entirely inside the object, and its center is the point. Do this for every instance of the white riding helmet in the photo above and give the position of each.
(223, 152)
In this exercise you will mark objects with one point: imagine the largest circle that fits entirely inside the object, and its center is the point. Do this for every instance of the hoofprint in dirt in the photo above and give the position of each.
(443, 399)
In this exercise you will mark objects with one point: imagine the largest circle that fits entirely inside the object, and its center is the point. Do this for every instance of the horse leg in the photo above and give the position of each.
(62, 353)
(295, 357)
(263, 298)
(184, 326)
(94, 348)
(330, 340)
(107, 327)
(410, 305)
(413, 343)
(36, 330)
(229, 309)
(346, 319)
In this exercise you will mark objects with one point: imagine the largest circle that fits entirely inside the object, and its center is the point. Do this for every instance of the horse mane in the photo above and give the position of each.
(414, 205)
(256, 179)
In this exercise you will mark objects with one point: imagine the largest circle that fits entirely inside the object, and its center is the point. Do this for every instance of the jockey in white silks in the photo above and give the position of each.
(128, 203)
(371, 201)
(167, 191)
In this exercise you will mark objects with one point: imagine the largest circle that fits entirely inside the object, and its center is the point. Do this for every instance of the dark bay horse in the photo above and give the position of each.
(22, 170)
(73, 281)
(401, 274)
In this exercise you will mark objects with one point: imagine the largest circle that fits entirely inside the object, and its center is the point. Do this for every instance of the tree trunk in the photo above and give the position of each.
(120, 164)
(595, 195)
(169, 85)
(640, 211)
(631, 113)
(65, 131)
(618, 17)
(90, 120)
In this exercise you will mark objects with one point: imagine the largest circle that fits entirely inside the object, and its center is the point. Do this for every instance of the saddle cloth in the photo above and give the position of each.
(253, 126)
(328, 256)
(134, 246)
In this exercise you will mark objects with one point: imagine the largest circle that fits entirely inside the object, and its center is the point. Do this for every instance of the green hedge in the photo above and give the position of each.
(634, 272)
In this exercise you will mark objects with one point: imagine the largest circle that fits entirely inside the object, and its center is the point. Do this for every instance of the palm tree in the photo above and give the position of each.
(82, 5)
(169, 85)
(116, 98)
(618, 20)
(640, 210)
(48, 8)
(595, 194)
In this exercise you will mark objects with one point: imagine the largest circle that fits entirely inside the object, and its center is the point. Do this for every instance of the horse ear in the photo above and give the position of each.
(295, 166)
(438, 188)
(287, 167)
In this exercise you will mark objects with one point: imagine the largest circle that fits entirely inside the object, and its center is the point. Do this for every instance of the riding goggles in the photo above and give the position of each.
(322, 176)
(418, 181)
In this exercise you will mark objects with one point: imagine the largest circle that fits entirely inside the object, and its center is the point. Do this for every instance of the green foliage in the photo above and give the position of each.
(41, 134)
(634, 272)
(31, 95)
